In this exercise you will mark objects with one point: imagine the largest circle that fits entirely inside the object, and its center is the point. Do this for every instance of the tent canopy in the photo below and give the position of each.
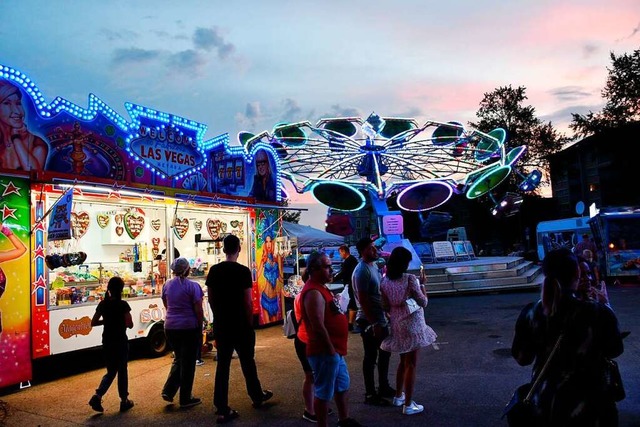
(311, 237)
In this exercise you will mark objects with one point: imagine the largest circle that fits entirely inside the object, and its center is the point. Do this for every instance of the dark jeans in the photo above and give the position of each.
(244, 344)
(373, 353)
(116, 356)
(185, 344)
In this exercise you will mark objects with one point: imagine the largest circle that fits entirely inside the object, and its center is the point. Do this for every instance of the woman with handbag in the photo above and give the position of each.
(571, 389)
(405, 299)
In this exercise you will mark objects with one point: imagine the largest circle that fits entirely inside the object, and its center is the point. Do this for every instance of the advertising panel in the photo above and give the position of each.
(15, 332)
(269, 276)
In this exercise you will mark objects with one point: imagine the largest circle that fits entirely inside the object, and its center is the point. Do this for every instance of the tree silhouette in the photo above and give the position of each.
(504, 107)
(622, 94)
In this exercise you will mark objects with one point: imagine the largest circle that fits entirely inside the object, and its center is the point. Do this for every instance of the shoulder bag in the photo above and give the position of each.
(613, 380)
(520, 411)
(412, 304)
(290, 325)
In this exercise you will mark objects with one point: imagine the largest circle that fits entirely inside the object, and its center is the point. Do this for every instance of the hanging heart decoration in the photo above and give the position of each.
(79, 223)
(197, 225)
(234, 223)
(155, 243)
(239, 235)
(118, 218)
(213, 227)
(119, 230)
(134, 222)
(102, 220)
(155, 224)
(180, 227)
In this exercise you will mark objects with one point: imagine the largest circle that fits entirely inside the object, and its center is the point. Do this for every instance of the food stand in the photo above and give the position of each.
(86, 194)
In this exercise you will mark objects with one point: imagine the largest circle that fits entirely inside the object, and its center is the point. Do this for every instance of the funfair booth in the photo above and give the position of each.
(86, 194)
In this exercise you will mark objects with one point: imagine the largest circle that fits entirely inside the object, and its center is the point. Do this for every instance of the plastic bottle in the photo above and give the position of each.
(136, 253)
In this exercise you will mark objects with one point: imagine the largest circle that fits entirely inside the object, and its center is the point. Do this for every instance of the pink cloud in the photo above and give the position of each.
(580, 23)
(445, 100)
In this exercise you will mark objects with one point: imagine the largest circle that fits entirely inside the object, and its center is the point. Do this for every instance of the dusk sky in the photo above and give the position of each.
(247, 65)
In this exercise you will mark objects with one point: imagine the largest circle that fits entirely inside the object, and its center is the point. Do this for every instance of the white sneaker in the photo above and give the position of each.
(399, 401)
(412, 409)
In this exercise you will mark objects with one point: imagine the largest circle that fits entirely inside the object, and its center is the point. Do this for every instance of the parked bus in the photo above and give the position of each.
(617, 236)
(559, 233)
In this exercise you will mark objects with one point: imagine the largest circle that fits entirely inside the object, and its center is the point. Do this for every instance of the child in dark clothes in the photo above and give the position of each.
(115, 315)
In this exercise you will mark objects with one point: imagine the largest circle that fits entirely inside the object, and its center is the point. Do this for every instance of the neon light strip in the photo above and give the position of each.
(403, 192)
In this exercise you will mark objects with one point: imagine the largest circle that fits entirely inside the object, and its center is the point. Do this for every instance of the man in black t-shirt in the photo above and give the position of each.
(229, 286)
(349, 264)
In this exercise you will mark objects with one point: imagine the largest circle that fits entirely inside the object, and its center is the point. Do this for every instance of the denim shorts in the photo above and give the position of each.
(330, 375)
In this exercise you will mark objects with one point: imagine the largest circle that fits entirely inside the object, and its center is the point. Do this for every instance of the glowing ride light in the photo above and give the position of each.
(348, 197)
(488, 181)
(424, 196)
(379, 157)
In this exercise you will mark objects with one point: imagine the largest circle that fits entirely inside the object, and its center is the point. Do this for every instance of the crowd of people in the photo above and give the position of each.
(571, 331)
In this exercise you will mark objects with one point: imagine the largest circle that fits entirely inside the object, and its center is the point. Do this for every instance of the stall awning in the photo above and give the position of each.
(311, 237)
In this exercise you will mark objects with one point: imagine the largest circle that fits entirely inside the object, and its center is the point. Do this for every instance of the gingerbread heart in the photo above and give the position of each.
(118, 218)
(197, 225)
(119, 230)
(79, 223)
(213, 227)
(155, 242)
(155, 251)
(155, 224)
(234, 223)
(103, 220)
(134, 222)
(180, 227)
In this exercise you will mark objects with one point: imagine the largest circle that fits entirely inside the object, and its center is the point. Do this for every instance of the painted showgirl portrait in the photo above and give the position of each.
(19, 148)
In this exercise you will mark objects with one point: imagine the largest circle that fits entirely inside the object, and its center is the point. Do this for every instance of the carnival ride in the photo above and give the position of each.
(347, 162)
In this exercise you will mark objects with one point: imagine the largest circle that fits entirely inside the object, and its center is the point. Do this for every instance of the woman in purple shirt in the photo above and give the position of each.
(182, 299)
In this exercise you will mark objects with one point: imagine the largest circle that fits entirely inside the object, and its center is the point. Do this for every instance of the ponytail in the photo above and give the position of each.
(551, 293)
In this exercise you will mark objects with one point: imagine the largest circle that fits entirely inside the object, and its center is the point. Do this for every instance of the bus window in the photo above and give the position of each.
(559, 233)
(624, 233)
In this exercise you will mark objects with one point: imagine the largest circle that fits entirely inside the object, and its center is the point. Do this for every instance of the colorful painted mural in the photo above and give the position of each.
(153, 149)
(15, 328)
(269, 267)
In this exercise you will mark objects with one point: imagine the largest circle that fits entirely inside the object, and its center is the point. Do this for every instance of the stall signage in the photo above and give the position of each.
(60, 217)
(72, 327)
(392, 224)
(152, 314)
(167, 149)
(443, 249)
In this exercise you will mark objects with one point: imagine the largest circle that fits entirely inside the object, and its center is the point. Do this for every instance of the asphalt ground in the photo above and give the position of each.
(465, 379)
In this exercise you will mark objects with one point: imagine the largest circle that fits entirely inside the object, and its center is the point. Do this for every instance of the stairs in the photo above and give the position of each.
(482, 274)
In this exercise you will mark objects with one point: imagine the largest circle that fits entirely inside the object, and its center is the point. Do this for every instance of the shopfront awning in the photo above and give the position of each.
(311, 237)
